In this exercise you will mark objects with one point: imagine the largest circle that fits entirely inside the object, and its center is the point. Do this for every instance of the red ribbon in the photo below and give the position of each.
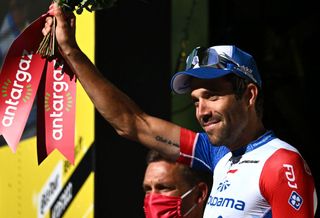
(19, 81)
(56, 111)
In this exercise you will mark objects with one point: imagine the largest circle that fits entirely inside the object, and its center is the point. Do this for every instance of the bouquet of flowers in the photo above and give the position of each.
(47, 46)
(90, 5)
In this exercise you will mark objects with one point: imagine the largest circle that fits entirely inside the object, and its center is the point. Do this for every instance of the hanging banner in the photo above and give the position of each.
(19, 81)
(56, 111)
(20, 77)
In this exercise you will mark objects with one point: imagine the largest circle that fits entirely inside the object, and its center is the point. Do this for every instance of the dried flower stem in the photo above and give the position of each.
(48, 45)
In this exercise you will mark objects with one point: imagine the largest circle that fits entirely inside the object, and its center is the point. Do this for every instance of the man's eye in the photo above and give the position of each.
(164, 188)
(146, 189)
(195, 102)
(213, 98)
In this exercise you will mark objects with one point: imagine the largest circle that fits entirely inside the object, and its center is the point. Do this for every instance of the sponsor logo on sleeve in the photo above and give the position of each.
(295, 200)
(290, 176)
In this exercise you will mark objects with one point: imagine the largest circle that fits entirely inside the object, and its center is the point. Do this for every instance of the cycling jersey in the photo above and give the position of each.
(266, 178)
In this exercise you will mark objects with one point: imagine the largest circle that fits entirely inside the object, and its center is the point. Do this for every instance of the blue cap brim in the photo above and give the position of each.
(180, 82)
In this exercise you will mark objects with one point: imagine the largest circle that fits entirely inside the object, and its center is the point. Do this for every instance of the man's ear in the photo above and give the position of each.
(203, 193)
(251, 94)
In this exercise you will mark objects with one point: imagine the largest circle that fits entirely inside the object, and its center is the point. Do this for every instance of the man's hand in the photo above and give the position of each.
(65, 28)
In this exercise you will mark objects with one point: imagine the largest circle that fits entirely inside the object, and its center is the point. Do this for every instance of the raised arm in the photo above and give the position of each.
(115, 106)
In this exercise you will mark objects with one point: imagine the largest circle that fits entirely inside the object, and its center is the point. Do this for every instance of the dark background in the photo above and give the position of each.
(133, 49)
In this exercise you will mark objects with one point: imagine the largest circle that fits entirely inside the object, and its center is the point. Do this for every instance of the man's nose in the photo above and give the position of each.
(204, 111)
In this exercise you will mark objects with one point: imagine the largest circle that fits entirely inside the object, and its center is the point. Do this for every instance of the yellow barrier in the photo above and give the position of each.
(54, 188)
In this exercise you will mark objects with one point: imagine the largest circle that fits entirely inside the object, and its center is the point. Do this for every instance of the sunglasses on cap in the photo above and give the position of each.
(209, 57)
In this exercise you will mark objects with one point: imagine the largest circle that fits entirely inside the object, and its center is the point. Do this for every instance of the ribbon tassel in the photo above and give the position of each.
(20, 77)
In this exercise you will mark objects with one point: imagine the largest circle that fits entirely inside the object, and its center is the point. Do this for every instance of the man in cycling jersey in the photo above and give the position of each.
(256, 174)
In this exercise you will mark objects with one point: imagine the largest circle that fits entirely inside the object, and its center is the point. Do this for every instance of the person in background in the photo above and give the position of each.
(256, 174)
(15, 20)
(173, 189)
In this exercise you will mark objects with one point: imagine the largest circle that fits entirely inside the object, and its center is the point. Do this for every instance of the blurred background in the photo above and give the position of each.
(141, 43)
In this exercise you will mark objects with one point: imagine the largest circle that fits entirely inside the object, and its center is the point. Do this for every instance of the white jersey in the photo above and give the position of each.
(268, 178)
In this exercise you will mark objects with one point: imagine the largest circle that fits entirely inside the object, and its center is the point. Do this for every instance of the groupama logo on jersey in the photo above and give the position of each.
(226, 202)
(223, 185)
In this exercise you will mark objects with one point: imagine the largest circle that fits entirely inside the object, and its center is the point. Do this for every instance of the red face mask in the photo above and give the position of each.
(162, 206)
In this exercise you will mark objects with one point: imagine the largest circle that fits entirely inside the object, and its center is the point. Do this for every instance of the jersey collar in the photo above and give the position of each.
(266, 137)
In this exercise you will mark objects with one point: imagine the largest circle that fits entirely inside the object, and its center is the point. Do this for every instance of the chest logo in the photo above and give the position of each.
(223, 185)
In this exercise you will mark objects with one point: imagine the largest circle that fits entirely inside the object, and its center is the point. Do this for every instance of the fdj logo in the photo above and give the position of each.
(223, 185)
(295, 200)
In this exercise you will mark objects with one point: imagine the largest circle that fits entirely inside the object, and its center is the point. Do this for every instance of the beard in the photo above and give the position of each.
(225, 135)
(219, 138)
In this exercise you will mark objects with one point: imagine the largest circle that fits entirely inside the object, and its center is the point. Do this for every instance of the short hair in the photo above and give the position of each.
(239, 86)
(191, 176)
